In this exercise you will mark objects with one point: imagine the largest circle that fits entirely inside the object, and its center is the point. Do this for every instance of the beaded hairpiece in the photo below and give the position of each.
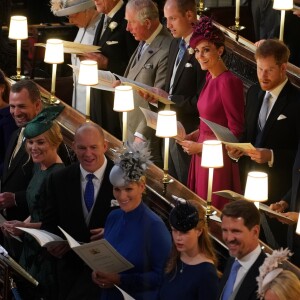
(270, 269)
(57, 5)
(131, 163)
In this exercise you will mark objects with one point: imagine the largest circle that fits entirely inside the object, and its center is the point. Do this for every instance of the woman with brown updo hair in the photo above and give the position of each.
(7, 123)
(191, 270)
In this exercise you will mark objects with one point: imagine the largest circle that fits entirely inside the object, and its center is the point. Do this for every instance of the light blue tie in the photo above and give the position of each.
(182, 49)
(264, 111)
(231, 280)
(89, 192)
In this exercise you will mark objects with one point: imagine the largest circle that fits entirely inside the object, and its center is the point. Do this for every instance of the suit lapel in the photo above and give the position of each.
(280, 103)
(99, 30)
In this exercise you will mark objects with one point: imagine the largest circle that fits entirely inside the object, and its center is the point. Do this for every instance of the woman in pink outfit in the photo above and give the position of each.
(221, 101)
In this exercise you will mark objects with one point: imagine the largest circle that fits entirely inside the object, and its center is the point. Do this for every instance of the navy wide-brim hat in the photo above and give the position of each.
(184, 216)
(42, 122)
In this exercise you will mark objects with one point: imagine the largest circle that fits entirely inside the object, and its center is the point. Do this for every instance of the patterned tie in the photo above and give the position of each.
(182, 49)
(231, 280)
(89, 192)
(264, 111)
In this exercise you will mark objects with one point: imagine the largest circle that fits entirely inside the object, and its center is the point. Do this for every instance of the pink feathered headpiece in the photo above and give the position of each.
(205, 30)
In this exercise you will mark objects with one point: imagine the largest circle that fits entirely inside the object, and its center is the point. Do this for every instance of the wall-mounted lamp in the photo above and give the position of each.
(88, 76)
(282, 5)
(166, 127)
(212, 157)
(18, 30)
(123, 102)
(54, 55)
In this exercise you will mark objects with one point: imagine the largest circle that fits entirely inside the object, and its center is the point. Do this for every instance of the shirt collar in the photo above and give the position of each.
(98, 173)
(115, 9)
(187, 38)
(276, 91)
(154, 34)
(248, 260)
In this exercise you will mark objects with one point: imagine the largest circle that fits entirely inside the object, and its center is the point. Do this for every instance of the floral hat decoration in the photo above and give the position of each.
(62, 8)
(131, 163)
(270, 269)
(205, 30)
(184, 216)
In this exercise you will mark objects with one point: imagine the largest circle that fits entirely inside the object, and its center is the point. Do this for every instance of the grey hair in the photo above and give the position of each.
(145, 9)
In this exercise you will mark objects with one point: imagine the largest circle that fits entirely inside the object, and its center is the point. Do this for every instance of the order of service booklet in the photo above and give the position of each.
(225, 136)
(231, 195)
(98, 255)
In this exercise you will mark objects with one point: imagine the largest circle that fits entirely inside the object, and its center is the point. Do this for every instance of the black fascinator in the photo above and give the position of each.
(184, 216)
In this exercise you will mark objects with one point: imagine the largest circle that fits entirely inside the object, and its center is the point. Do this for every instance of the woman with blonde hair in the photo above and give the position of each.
(275, 283)
(43, 138)
(191, 270)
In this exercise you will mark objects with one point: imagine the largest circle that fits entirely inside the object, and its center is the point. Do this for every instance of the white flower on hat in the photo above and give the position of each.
(113, 25)
(56, 5)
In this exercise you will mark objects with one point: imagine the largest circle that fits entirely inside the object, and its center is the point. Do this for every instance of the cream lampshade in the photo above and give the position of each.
(298, 225)
(18, 30)
(88, 76)
(54, 55)
(212, 157)
(282, 5)
(166, 127)
(257, 187)
(123, 102)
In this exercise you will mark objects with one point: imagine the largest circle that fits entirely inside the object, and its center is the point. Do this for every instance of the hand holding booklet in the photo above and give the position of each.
(224, 135)
(231, 195)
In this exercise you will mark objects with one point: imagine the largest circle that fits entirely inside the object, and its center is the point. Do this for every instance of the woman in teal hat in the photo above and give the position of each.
(43, 138)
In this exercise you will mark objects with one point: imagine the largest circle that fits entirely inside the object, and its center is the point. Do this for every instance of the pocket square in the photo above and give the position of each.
(188, 65)
(112, 43)
(114, 203)
(281, 117)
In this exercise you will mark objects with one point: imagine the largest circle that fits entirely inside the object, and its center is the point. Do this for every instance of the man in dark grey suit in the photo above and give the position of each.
(240, 231)
(272, 125)
(147, 65)
(116, 46)
(66, 207)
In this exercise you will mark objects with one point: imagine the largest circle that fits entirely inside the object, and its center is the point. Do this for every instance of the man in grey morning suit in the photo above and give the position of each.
(147, 65)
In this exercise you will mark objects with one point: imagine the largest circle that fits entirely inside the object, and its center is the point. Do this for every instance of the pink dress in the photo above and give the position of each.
(221, 101)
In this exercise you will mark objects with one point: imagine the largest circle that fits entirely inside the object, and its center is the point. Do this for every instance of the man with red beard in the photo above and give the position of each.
(240, 231)
(272, 125)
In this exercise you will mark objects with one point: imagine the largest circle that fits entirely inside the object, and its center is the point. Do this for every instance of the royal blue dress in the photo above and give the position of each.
(144, 240)
(191, 282)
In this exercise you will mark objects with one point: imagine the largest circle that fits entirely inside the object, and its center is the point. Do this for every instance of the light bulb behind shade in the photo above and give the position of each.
(166, 124)
(283, 4)
(88, 72)
(18, 28)
(212, 154)
(54, 53)
(123, 100)
(257, 187)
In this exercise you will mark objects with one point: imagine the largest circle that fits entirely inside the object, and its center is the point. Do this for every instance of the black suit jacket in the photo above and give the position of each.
(187, 85)
(118, 53)
(248, 288)
(16, 178)
(64, 209)
(281, 134)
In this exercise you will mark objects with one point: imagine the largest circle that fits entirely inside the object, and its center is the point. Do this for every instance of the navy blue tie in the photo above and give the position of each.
(231, 280)
(182, 49)
(89, 192)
